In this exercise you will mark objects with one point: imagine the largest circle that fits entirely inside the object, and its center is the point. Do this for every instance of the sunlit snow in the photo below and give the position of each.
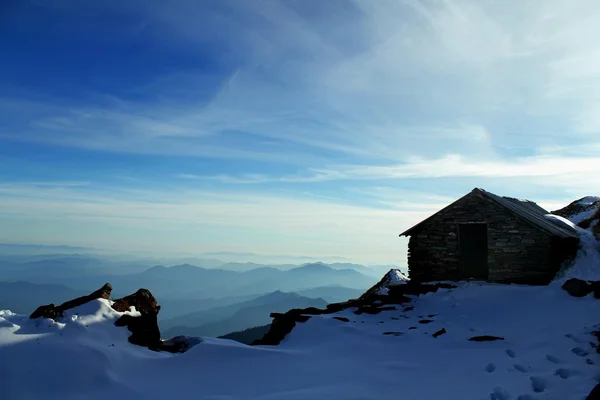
(546, 349)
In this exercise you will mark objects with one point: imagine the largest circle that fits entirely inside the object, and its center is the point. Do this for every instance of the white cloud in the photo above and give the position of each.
(571, 173)
(205, 221)
(381, 80)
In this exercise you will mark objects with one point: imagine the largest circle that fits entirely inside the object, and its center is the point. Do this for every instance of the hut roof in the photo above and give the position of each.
(526, 209)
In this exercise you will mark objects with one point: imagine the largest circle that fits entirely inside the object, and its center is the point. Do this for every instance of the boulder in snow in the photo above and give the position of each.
(577, 287)
(142, 300)
(439, 333)
(144, 329)
(179, 344)
(485, 338)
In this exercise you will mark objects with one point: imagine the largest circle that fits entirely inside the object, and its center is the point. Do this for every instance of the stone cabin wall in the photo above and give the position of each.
(518, 252)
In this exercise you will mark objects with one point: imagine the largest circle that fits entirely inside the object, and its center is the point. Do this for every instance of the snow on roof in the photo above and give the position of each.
(369, 357)
(562, 222)
(533, 213)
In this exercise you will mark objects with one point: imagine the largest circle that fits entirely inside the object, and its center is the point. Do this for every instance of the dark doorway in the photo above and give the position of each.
(473, 251)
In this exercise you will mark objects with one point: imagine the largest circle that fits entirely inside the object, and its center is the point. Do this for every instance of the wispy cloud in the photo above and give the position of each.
(367, 114)
(207, 221)
(570, 172)
(411, 78)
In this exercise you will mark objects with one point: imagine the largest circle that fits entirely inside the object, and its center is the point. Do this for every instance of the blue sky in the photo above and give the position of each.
(287, 127)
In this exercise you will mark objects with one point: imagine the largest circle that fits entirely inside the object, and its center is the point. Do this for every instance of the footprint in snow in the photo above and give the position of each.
(579, 351)
(538, 384)
(525, 397)
(520, 368)
(552, 359)
(574, 338)
(511, 353)
(491, 367)
(564, 373)
(499, 394)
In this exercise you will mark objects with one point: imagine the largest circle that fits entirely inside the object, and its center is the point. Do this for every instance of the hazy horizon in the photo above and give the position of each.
(319, 129)
(31, 249)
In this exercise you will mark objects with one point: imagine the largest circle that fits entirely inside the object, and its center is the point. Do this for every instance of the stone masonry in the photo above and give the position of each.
(518, 251)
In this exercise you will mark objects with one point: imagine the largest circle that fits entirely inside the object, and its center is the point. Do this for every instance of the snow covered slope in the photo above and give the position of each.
(546, 354)
(581, 211)
(391, 278)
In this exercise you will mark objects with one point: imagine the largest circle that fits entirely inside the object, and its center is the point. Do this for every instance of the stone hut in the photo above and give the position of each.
(483, 236)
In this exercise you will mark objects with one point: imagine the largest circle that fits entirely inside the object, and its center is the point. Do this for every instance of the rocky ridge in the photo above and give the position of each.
(370, 303)
(143, 327)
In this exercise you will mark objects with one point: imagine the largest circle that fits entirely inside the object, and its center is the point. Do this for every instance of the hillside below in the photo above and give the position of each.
(545, 349)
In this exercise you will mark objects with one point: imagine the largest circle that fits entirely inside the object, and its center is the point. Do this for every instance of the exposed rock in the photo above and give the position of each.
(594, 394)
(144, 329)
(485, 338)
(417, 289)
(142, 300)
(336, 307)
(577, 287)
(596, 289)
(439, 333)
(369, 303)
(343, 319)
(586, 205)
(179, 344)
(53, 312)
(393, 333)
(425, 321)
(596, 334)
(279, 329)
(47, 311)
(302, 318)
(392, 278)
(372, 309)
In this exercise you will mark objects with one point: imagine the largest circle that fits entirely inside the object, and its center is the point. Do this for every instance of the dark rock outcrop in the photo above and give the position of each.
(144, 328)
(585, 204)
(179, 344)
(142, 300)
(594, 394)
(485, 338)
(279, 329)
(577, 287)
(53, 312)
(439, 333)
(417, 289)
(596, 289)
(372, 309)
(369, 303)
(391, 278)
(343, 319)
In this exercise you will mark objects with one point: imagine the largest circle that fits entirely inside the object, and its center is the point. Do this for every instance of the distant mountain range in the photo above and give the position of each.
(24, 297)
(222, 320)
(247, 336)
(181, 281)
